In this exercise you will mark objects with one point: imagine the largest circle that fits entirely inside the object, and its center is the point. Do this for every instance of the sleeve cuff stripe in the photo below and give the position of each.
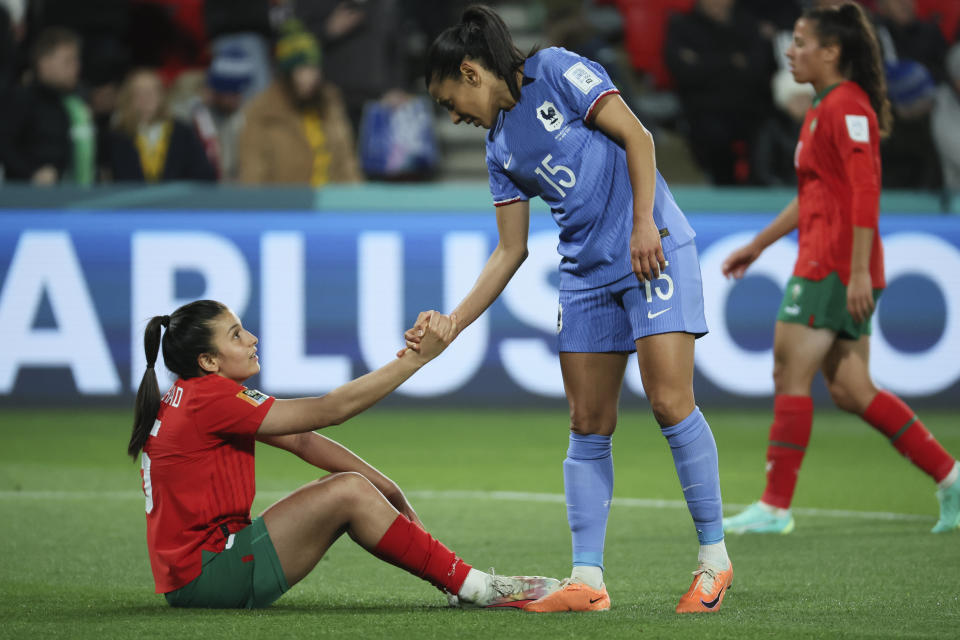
(593, 104)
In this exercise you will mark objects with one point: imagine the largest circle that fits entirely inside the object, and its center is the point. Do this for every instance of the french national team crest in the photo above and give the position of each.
(549, 116)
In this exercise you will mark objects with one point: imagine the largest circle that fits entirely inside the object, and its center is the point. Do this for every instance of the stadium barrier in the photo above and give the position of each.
(330, 286)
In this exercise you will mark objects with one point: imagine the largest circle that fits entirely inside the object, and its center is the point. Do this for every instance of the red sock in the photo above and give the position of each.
(892, 417)
(411, 548)
(789, 436)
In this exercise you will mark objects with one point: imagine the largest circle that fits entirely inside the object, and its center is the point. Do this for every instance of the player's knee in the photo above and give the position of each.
(841, 397)
(590, 421)
(670, 408)
(347, 485)
(853, 400)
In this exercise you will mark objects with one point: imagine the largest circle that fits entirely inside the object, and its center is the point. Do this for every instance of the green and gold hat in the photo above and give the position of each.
(296, 46)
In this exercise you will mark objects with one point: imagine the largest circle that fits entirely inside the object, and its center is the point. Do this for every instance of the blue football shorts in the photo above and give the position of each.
(614, 316)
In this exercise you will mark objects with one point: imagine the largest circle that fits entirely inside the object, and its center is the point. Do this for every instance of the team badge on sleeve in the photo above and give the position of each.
(858, 128)
(582, 77)
(254, 397)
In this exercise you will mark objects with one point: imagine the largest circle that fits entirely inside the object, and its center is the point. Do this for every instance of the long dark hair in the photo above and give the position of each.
(860, 61)
(481, 35)
(188, 335)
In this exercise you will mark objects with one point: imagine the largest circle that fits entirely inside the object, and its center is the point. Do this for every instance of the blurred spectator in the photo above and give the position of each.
(110, 60)
(903, 36)
(721, 66)
(213, 105)
(148, 145)
(946, 121)
(776, 144)
(297, 130)
(363, 48)
(103, 27)
(908, 158)
(242, 26)
(46, 130)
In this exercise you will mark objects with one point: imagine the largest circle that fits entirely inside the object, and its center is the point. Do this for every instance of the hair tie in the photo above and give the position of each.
(150, 365)
(165, 321)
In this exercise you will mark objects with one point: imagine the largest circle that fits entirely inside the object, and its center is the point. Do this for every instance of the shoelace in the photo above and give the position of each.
(707, 577)
(501, 585)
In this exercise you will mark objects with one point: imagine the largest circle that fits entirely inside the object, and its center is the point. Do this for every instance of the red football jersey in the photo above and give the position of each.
(838, 174)
(198, 473)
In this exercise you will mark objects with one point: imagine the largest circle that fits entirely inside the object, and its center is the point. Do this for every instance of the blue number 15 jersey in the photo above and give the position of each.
(544, 147)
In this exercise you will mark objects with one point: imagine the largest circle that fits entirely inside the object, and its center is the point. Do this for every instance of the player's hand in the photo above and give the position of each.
(411, 515)
(737, 262)
(399, 502)
(860, 296)
(437, 335)
(413, 335)
(646, 252)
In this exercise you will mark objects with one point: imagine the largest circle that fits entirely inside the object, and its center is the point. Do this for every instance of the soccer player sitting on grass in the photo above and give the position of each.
(197, 460)
(824, 320)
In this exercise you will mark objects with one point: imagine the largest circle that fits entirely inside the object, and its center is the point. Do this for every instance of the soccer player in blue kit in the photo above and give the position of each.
(629, 275)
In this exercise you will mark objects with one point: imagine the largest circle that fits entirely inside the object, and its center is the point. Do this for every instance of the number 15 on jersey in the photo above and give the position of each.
(556, 171)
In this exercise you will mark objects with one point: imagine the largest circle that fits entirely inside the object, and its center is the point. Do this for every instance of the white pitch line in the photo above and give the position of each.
(651, 503)
(509, 496)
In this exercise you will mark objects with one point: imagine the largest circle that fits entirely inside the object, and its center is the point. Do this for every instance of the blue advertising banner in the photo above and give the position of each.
(329, 295)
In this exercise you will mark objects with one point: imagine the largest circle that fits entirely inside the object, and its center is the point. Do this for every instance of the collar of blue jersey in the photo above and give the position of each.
(530, 65)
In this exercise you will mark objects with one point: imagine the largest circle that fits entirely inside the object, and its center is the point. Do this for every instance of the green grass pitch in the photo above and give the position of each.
(861, 562)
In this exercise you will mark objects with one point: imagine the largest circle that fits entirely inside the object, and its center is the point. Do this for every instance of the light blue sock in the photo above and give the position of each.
(695, 457)
(588, 485)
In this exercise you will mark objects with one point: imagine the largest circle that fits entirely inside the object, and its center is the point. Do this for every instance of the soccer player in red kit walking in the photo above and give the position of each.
(196, 445)
(824, 319)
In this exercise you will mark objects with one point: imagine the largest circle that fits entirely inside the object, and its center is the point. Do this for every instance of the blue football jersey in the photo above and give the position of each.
(544, 147)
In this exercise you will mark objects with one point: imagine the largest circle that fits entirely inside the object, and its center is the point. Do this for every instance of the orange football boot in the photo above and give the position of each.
(706, 593)
(572, 596)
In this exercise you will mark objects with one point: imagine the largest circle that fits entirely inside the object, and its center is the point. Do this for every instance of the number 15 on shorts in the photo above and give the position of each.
(650, 289)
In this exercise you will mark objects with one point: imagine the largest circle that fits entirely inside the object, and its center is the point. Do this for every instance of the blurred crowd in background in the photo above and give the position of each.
(331, 91)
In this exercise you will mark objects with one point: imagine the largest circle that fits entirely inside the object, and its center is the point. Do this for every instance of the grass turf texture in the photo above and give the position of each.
(74, 560)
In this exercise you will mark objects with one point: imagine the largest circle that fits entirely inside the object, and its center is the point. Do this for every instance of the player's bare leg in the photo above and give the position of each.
(847, 372)
(798, 353)
(666, 368)
(592, 382)
(303, 525)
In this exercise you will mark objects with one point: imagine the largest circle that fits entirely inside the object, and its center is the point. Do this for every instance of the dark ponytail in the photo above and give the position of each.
(148, 395)
(860, 60)
(481, 35)
(188, 335)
